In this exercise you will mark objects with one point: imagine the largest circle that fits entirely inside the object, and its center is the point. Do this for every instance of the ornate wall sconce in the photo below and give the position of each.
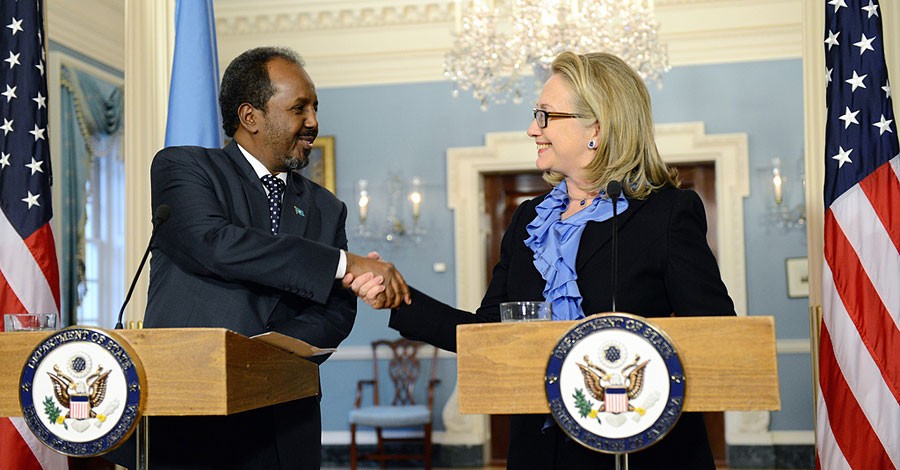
(781, 210)
(401, 204)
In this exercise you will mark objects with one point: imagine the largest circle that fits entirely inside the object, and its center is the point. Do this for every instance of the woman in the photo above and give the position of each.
(592, 125)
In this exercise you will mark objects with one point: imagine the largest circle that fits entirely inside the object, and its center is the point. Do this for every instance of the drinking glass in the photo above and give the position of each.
(29, 321)
(524, 311)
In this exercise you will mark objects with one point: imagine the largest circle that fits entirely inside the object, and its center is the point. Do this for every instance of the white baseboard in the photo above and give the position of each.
(368, 437)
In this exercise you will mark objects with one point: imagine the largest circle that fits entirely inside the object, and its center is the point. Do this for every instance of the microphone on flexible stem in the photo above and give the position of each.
(614, 190)
(159, 217)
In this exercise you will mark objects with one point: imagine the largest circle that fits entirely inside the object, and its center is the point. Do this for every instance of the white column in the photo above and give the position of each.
(890, 17)
(149, 30)
(814, 139)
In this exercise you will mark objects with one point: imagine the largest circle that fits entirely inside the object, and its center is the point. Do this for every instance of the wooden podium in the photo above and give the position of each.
(729, 363)
(190, 371)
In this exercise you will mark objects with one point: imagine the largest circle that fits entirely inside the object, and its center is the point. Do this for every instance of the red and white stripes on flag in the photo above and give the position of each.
(858, 408)
(21, 450)
(29, 274)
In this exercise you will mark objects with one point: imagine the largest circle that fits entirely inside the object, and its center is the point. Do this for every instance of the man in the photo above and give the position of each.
(236, 253)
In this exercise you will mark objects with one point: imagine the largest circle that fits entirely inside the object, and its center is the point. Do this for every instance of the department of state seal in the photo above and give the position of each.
(81, 391)
(615, 383)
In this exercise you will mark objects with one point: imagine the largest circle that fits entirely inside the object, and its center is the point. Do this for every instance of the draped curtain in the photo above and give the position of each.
(90, 127)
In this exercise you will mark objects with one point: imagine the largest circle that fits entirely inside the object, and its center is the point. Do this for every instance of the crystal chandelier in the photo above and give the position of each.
(497, 45)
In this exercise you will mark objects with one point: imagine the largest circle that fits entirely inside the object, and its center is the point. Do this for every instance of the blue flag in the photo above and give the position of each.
(194, 117)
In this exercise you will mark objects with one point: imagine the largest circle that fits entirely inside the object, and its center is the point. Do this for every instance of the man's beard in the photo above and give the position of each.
(292, 163)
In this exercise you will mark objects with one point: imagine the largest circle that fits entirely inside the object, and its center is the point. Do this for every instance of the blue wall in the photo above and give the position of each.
(406, 130)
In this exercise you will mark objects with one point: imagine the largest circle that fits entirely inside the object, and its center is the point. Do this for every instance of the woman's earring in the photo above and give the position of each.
(592, 144)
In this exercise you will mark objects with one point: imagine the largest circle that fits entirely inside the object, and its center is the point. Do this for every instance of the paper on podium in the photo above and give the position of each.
(292, 345)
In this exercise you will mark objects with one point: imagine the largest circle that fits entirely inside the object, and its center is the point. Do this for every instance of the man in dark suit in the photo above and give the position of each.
(253, 246)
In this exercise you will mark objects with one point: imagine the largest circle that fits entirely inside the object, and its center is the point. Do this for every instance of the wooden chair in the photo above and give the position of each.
(404, 369)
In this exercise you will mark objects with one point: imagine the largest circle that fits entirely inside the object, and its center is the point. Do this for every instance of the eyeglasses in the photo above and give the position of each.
(542, 117)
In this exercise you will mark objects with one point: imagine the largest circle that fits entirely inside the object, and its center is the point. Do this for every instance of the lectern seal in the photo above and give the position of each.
(81, 391)
(615, 383)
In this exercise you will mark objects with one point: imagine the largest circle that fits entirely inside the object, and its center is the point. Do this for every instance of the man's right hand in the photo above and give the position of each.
(396, 290)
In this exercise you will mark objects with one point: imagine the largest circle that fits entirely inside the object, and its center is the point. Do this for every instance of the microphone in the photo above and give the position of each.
(614, 190)
(159, 217)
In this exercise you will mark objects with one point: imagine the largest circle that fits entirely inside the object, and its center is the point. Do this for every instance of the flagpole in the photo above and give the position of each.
(815, 328)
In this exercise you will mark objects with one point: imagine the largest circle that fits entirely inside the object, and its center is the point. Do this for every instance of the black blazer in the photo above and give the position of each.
(216, 264)
(665, 267)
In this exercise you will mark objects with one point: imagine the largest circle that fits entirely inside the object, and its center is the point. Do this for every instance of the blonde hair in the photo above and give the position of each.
(610, 93)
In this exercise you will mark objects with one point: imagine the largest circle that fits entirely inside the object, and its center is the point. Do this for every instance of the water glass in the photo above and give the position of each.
(524, 311)
(29, 321)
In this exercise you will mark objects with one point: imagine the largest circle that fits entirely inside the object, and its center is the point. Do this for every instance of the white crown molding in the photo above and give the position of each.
(369, 42)
(104, 38)
(299, 17)
(768, 42)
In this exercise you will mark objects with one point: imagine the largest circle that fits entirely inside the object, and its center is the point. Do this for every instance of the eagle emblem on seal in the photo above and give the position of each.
(79, 396)
(614, 388)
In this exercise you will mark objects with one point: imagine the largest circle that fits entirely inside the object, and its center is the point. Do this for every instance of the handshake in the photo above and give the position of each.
(376, 282)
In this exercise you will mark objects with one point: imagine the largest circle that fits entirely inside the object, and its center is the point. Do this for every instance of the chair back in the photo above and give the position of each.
(403, 369)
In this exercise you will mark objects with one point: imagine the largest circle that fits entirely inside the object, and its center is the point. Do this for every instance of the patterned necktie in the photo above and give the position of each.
(276, 188)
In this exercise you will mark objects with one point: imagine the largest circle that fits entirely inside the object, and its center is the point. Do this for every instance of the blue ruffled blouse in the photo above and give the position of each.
(555, 245)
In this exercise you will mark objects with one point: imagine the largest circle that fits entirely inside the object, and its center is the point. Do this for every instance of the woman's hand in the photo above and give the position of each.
(368, 286)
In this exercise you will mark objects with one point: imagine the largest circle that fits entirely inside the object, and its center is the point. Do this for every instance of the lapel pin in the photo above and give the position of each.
(299, 211)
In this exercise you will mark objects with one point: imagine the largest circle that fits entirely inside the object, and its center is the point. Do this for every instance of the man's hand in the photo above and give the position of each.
(368, 287)
(383, 274)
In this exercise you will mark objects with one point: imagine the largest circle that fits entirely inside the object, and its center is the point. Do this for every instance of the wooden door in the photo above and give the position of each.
(503, 192)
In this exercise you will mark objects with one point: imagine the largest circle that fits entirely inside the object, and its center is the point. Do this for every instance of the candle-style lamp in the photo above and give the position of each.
(362, 201)
(777, 181)
(415, 197)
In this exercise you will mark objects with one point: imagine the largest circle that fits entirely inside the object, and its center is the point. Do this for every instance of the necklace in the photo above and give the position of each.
(583, 200)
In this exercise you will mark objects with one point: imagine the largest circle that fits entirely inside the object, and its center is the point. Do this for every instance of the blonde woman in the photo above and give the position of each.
(592, 125)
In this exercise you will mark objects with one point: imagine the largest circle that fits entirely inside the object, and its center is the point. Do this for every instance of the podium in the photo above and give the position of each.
(729, 363)
(188, 371)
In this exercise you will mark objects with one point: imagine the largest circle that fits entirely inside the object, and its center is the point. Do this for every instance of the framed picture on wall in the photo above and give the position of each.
(321, 163)
(797, 270)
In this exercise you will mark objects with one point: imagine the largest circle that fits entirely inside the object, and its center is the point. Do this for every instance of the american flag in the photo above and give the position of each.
(29, 274)
(858, 407)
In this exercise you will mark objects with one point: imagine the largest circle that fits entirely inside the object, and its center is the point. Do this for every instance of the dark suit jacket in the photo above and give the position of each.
(216, 264)
(665, 267)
